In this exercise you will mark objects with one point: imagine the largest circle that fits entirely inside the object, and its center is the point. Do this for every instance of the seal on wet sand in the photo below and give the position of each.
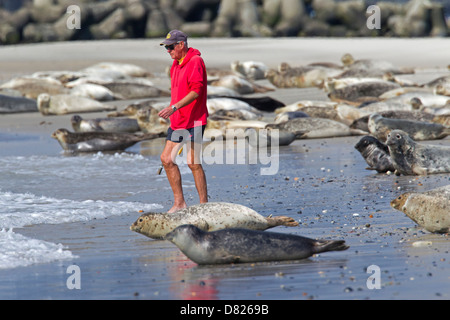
(411, 158)
(104, 124)
(236, 245)
(316, 128)
(98, 141)
(66, 103)
(375, 153)
(429, 209)
(417, 130)
(208, 217)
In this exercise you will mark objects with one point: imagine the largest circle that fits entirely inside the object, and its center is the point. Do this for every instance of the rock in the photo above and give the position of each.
(110, 27)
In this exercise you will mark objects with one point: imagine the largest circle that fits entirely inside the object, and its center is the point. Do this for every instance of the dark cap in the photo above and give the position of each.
(174, 36)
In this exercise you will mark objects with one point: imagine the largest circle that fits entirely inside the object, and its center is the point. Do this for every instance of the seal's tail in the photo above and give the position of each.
(281, 221)
(329, 245)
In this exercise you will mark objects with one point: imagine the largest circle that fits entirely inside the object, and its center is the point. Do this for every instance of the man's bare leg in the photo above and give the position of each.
(194, 163)
(173, 174)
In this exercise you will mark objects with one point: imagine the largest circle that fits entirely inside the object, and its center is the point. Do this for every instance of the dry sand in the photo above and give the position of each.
(321, 182)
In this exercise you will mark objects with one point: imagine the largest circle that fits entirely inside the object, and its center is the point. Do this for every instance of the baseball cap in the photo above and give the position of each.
(173, 37)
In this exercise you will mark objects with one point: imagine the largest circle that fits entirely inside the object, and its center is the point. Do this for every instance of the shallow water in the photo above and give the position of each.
(56, 189)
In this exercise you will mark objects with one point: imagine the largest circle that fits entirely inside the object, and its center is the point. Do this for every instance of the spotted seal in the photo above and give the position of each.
(104, 124)
(411, 158)
(380, 126)
(429, 209)
(98, 141)
(236, 245)
(207, 216)
(375, 153)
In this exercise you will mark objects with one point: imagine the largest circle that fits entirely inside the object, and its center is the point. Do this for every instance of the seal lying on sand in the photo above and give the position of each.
(411, 158)
(98, 141)
(316, 128)
(417, 130)
(237, 245)
(66, 103)
(10, 104)
(104, 124)
(430, 209)
(375, 153)
(208, 217)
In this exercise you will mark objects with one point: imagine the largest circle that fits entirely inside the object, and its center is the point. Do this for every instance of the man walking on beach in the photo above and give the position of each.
(188, 115)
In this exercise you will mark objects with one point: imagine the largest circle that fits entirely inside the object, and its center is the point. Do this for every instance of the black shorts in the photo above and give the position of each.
(186, 134)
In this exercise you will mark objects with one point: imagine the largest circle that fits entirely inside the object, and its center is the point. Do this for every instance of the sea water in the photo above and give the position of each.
(55, 189)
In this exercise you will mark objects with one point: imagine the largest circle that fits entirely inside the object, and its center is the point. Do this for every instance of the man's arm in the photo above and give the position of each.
(190, 97)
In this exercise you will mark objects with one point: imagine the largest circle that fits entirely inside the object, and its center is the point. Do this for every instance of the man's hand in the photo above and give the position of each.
(166, 112)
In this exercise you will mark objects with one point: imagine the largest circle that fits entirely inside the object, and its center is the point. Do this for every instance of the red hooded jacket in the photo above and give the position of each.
(189, 76)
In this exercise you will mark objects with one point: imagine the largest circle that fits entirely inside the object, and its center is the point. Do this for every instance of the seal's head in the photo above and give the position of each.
(139, 225)
(184, 236)
(398, 138)
(399, 202)
(43, 103)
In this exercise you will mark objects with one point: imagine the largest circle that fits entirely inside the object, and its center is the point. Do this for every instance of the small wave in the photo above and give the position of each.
(23, 209)
(17, 250)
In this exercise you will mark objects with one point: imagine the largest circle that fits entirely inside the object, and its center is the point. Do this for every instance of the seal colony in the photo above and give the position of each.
(360, 96)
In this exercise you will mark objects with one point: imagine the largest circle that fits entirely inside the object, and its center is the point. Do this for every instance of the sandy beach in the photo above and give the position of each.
(322, 183)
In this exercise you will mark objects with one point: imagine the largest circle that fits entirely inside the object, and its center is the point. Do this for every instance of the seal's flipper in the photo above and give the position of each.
(329, 245)
(281, 221)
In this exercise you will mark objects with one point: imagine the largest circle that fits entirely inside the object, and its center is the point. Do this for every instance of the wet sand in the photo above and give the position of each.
(320, 182)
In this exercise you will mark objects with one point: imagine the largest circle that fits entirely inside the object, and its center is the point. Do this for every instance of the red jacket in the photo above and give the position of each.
(189, 76)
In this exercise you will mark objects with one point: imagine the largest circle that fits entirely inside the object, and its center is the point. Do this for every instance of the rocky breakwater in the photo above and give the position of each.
(63, 20)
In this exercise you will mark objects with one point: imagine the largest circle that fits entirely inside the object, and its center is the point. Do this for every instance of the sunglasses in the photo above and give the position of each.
(171, 47)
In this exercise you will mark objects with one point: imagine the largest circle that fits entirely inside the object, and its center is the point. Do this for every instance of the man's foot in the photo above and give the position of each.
(176, 208)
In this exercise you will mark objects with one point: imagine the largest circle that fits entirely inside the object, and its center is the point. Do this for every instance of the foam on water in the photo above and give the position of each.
(54, 190)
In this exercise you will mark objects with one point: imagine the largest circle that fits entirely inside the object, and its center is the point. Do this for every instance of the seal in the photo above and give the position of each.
(32, 87)
(411, 158)
(253, 70)
(371, 66)
(215, 104)
(65, 103)
(289, 115)
(98, 141)
(300, 77)
(417, 130)
(376, 154)
(361, 123)
(93, 91)
(208, 216)
(240, 85)
(149, 121)
(9, 104)
(237, 245)
(360, 92)
(264, 137)
(315, 128)
(104, 124)
(429, 209)
(127, 89)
